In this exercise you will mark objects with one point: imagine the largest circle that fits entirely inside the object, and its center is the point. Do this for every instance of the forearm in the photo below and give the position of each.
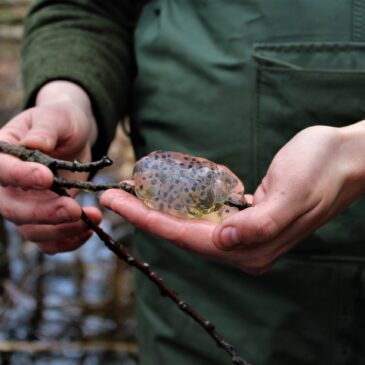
(88, 43)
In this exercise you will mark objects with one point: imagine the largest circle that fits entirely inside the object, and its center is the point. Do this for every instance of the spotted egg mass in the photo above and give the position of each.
(185, 185)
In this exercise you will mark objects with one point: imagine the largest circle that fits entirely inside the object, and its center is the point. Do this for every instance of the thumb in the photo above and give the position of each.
(42, 133)
(23, 129)
(252, 226)
(271, 213)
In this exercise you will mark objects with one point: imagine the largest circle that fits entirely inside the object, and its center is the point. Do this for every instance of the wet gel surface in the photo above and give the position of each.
(186, 186)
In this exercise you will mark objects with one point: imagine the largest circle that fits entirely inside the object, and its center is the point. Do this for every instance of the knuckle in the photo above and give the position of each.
(41, 213)
(266, 228)
(55, 113)
(9, 214)
(15, 175)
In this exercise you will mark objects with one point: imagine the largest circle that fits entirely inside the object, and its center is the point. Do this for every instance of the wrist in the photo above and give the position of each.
(353, 152)
(61, 91)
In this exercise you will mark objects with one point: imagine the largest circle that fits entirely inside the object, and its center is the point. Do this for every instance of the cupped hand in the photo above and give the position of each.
(62, 129)
(309, 181)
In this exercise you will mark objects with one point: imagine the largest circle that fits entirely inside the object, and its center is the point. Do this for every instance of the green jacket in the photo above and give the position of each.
(232, 81)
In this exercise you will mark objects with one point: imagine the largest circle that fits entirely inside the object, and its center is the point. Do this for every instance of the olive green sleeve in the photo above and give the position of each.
(88, 42)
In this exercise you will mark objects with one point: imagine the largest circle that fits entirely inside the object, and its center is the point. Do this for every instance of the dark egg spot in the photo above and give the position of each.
(178, 206)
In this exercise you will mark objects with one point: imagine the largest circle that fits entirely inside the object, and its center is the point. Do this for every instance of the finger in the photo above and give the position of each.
(274, 209)
(22, 207)
(261, 257)
(45, 233)
(190, 234)
(249, 198)
(66, 245)
(33, 128)
(16, 129)
(28, 175)
(69, 128)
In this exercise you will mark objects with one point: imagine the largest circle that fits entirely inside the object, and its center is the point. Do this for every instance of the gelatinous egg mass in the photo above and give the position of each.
(184, 185)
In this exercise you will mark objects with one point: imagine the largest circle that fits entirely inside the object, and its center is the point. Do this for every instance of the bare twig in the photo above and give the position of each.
(92, 187)
(145, 268)
(54, 164)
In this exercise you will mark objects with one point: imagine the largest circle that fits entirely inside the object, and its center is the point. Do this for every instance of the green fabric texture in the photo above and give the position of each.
(235, 89)
(89, 43)
(233, 81)
(303, 312)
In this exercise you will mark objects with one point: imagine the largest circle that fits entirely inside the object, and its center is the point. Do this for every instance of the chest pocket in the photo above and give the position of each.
(305, 84)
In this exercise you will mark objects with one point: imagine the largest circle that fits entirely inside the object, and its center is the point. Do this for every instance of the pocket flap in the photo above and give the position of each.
(322, 56)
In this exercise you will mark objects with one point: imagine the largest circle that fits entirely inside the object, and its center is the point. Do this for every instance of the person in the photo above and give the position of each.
(275, 97)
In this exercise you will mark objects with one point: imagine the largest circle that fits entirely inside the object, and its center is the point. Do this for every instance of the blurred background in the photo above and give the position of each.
(74, 308)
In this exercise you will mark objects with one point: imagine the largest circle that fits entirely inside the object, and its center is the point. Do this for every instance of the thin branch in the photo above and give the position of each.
(29, 155)
(145, 268)
(90, 186)
(54, 164)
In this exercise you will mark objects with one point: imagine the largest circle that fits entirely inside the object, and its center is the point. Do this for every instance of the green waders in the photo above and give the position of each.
(233, 81)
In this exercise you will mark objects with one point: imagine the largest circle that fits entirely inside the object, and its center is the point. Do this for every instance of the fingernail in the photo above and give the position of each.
(37, 178)
(229, 237)
(63, 214)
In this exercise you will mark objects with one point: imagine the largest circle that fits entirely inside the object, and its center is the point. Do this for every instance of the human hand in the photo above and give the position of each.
(310, 180)
(61, 125)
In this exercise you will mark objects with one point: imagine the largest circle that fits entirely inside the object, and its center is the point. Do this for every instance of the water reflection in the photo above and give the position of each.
(72, 308)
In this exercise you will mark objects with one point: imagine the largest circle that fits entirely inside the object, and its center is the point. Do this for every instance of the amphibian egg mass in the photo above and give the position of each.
(184, 185)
